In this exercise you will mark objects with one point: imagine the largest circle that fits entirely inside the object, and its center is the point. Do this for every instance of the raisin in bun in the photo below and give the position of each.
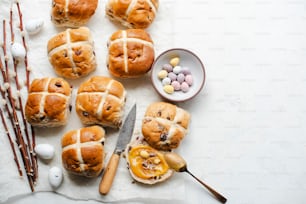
(165, 125)
(132, 13)
(71, 53)
(72, 13)
(48, 102)
(100, 100)
(83, 151)
(130, 53)
(146, 164)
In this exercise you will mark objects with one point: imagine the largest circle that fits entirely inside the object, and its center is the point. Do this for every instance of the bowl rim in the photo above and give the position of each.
(202, 67)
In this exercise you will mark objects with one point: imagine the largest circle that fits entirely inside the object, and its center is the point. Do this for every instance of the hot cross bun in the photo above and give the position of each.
(132, 13)
(165, 125)
(72, 13)
(130, 53)
(71, 53)
(83, 151)
(100, 100)
(48, 102)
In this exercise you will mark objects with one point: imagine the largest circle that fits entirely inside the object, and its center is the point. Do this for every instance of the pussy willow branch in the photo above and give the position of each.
(27, 69)
(11, 120)
(25, 124)
(19, 138)
(11, 142)
(24, 45)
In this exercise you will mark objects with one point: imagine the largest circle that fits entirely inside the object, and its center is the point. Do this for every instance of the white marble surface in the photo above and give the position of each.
(247, 135)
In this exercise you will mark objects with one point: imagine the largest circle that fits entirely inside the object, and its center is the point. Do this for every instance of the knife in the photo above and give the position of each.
(123, 139)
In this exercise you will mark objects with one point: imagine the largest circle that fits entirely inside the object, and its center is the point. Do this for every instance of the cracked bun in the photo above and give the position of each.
(146, 164)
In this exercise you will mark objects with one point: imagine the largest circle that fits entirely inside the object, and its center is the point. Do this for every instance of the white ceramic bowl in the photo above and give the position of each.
(187, 59)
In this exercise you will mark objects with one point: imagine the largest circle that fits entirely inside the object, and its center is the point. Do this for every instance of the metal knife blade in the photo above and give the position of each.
(124, 137)
(126, 130)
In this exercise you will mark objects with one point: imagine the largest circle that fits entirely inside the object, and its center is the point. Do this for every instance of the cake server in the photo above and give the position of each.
(125, 135)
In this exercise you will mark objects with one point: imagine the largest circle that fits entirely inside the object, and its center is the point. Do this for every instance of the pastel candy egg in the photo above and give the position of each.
(168, 89)
(166, 81)
(189, 80)
(185, 70)
(175, 61)
(167, 67)
(55, 176)
(177, 69)
(172, 76)
(180, 77)
(18, 51)
(162, 74)
(34, 26)
(184, 87)
(44, 151)
(176, 85)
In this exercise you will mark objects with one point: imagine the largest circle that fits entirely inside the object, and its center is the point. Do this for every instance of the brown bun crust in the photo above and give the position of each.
(132, 13)
(83, 151)
(71, 53)
(130, 53)
(100, 100)
(165, 125)
(48, 102)
(72, 13)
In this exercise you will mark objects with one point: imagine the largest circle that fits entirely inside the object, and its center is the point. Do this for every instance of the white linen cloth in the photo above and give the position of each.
(139, 90)
(247, 135)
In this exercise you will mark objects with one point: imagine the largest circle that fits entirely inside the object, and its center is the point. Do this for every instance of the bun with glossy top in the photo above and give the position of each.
(83, 151)
(71, 53)
(100, 100)
(72, 13)
(48, 102)
(165, 125)
(130, 53)
(132, 13)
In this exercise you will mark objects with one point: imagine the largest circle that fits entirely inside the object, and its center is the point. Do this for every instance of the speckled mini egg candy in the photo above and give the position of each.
(176, 85)
(168, 89)
(189, 80)
(162, 74)
(184, 87)
(168, 67)
(33, 26)
(172, 76)
(166, 81)
(175, 61)
(177, 69)
(180, 78)
(185, 70)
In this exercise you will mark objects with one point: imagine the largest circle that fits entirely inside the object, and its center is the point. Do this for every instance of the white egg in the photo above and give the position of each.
(45, 151)
(34, 26)
(18, 50)
(55, 176)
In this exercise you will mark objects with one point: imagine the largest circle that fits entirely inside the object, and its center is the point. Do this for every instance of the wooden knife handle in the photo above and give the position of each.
(109, 174)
